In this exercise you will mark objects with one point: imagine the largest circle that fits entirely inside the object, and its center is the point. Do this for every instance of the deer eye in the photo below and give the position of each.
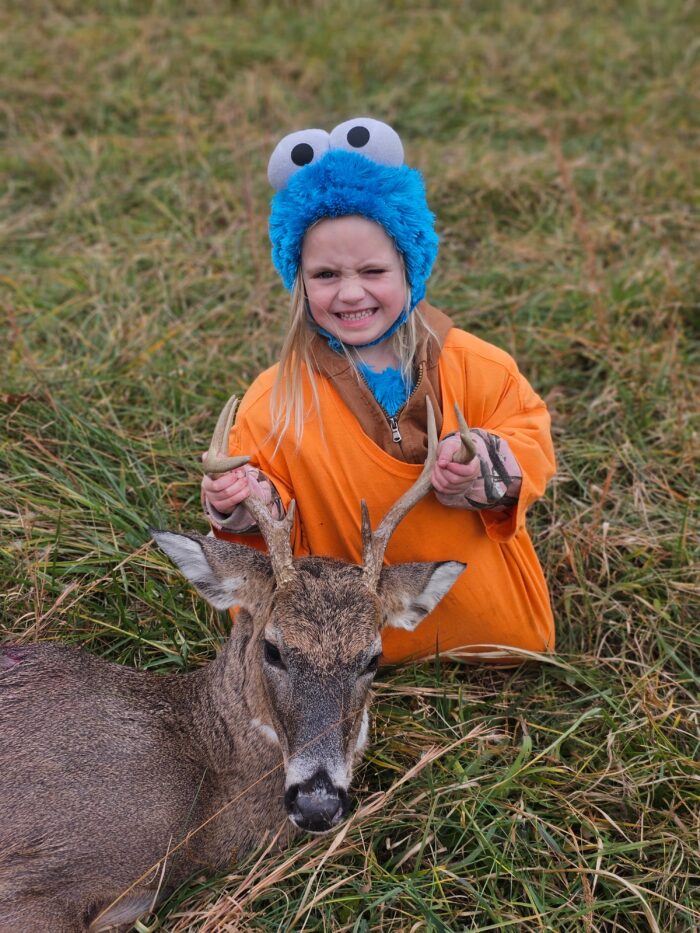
(373, 665)
(370, 138)
(294, 152)
(272, 655)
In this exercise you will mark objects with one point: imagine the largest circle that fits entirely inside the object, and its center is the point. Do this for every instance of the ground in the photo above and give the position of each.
(559, 144)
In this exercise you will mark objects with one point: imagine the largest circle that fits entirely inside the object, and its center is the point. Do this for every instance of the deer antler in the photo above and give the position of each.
(277, 537)
(467, 451)
(374, 543)
(216, 460)
(275, 533)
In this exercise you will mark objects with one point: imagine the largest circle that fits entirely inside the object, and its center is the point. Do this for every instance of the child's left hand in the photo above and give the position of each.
(492, 480)
(452, 479)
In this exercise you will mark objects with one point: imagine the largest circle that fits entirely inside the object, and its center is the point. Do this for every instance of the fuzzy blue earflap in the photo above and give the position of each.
(342, 183)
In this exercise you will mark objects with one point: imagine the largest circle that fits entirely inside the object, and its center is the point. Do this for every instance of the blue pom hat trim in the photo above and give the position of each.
(342, 183)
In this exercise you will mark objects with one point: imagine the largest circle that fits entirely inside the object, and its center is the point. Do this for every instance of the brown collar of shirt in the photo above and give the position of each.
(410, 421)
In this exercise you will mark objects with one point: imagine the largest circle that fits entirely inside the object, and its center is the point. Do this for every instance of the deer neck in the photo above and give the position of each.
(231, 696)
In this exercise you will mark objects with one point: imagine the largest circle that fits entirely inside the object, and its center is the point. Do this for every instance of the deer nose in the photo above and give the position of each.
(316, 805)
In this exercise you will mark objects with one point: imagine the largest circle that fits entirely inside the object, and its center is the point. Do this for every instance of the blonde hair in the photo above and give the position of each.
(287, 401)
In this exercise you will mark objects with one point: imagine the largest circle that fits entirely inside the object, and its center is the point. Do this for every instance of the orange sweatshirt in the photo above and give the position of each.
(502, 597)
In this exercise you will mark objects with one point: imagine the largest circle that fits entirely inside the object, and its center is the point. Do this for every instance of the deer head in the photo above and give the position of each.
(313, 628)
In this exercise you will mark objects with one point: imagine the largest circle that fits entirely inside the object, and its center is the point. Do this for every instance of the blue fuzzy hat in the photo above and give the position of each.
(356, 169)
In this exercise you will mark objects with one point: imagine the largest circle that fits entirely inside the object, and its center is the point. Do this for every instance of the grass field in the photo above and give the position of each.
(560, 146)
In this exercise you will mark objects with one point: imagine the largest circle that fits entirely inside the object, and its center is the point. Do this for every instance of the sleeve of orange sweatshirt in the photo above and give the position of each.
(521, 418)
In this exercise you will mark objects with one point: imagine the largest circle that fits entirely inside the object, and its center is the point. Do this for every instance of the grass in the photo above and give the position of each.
(559, 144)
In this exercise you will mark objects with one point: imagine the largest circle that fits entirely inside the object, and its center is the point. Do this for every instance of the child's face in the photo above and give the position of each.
(354, 278)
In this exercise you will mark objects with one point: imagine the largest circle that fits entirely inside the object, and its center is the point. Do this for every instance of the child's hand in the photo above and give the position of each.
(491, 480)
(223, 496)
(452, 479)
(227, 491)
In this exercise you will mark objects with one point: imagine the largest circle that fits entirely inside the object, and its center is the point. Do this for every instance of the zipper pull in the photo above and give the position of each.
(395, 433)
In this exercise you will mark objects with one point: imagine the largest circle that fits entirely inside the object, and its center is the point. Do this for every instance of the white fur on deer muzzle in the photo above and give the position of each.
(303, 767)
(327, 752)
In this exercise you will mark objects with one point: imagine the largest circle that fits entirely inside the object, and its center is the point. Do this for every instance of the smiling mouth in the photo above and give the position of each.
(355, 315)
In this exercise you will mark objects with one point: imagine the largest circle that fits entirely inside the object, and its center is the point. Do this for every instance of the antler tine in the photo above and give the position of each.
(277, 537)
(275, 533)
(216, 459)
(374, 543)
(467, 451)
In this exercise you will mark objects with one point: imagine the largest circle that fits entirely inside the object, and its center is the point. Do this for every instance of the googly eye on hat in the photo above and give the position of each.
(370, 138)
(364, 135)
(294, 152)
(357, 168)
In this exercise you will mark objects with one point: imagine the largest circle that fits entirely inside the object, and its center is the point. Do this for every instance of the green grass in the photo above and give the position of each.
(559, 143)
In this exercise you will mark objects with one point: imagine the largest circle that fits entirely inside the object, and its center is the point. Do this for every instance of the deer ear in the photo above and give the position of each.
(408, 592)
(226, 574)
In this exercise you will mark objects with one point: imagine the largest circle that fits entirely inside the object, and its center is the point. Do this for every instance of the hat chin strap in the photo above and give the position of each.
(336, 344)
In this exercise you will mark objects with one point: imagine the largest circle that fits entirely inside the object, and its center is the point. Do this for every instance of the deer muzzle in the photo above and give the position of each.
(317, 805)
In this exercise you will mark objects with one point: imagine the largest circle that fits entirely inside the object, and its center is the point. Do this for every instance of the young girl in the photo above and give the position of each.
(342, 416)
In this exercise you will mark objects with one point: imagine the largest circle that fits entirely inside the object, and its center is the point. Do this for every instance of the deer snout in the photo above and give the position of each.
(317, 805)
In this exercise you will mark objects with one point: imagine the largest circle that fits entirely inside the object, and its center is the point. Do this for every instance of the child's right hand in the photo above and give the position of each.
(227, 491)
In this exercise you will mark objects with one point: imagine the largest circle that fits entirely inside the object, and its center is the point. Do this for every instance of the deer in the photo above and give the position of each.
(116, 786)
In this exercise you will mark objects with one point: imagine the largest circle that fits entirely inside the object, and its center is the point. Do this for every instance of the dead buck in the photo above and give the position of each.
(115, 786)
